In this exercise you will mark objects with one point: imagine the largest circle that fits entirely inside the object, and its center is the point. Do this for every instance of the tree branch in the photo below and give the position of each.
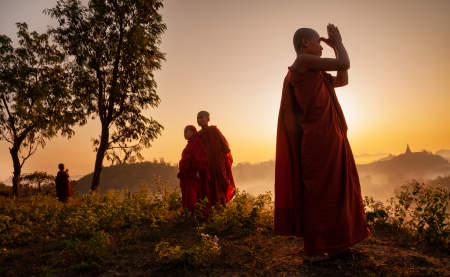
(124, 147)
(6, 138)
(100, 96)
(31, 151)
(112, 98)
(10, 117)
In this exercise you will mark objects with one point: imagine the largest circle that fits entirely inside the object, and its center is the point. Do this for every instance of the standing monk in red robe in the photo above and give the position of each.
(193, 169)
(221, 183)
(317, 190)
(62, 184)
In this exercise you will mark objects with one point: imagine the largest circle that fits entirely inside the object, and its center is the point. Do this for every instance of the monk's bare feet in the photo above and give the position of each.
(317, 258)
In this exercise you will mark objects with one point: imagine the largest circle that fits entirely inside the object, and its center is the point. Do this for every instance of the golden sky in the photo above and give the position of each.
(230, 58)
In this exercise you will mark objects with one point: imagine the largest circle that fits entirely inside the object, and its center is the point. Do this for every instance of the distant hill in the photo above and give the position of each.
(132, 176)
(381, 178)
(254, 178)
(444, 153)
(409, 164)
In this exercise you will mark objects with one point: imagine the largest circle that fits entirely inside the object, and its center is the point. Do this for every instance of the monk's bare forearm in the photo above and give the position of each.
(341, 78)
(341, 54)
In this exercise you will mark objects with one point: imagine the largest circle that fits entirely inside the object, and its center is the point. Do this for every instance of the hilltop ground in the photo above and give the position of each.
(283, 256)
(251, 256)
(147, 235)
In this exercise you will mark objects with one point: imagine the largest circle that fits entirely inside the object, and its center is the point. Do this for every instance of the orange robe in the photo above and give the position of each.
(317, 189)
(193, 172)
(221, 183)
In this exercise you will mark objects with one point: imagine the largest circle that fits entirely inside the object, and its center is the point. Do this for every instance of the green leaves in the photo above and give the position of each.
(418, 208)
(113, 46)
(35, 100)
(243, 216)
(196, 255)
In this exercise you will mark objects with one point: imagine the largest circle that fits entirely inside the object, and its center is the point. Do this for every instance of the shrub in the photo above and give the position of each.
(43, 218)
(88, 254)
(424, 210)
(418, 209)
(196, 255)
(375, 211)
(242, 216)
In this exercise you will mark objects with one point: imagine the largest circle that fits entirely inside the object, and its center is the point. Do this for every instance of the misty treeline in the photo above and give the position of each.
(96, 62)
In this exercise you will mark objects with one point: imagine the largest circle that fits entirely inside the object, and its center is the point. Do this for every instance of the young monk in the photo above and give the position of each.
(62, 184)
(193, 169)
(317, 190)
(221, 183)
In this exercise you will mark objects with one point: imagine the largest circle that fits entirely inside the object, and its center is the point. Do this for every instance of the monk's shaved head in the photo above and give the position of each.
(203, 113)
(190, 127)
(203, 119)
(301, 35)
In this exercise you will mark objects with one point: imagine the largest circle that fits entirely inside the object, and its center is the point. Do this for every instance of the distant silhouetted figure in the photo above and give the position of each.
(62, 184)
(193, 169)
(221, 183)
(317, 189)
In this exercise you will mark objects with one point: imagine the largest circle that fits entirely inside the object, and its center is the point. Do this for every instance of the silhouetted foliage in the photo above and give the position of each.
(34, 98)
(418, 209)
(114, 47)
(39, 179)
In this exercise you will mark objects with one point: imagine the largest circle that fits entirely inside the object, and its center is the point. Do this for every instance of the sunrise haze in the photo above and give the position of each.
(230, 58)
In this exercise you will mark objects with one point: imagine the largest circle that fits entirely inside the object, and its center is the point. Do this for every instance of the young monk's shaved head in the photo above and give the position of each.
(203, 119)
(301, 35)
(203, 114)
(190, 128)
(189, 132)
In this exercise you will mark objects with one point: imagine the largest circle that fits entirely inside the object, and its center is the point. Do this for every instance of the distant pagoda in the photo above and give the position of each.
(408, 150)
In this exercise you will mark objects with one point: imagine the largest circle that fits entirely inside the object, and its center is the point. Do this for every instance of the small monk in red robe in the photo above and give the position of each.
(62, 184)
(193, 169)
(317, 189)
(221, 185)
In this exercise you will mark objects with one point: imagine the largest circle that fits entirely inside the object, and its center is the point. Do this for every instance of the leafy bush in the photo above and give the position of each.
(424, 210)
(43, 217)
(199, 254)
(419, 209)
(242, 216)
(87, 255)
(375, 211)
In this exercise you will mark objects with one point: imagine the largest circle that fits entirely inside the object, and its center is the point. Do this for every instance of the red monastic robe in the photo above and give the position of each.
(317, 189)
(63, 186)
(193, 172)
(221, 183)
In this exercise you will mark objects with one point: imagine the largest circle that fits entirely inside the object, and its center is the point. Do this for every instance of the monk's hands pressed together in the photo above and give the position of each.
(334, 36)
(310, 59)
(334, 40)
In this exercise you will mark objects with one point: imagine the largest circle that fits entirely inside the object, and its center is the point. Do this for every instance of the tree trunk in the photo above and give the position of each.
(17, 170)
(104, 139)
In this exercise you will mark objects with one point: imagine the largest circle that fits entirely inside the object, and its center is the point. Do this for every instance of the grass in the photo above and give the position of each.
(142, 234)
